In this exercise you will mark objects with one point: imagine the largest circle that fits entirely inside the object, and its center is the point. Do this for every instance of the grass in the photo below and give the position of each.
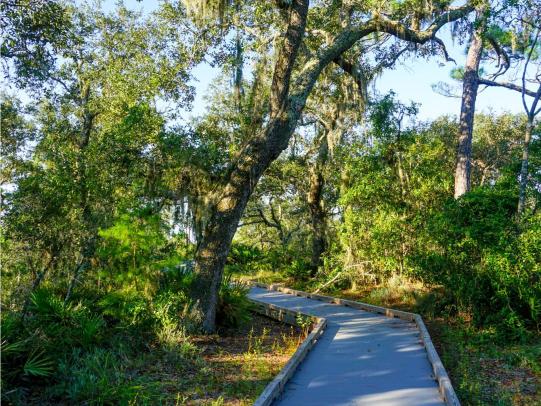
(485, 372)
(265, 276)
(240, 363)
(484, 369)
(231, 368)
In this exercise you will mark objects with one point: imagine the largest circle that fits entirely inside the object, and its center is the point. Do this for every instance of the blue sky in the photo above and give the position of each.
(412, 79)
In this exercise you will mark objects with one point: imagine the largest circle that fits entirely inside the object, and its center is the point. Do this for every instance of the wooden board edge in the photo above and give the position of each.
(444, 382)
(277, 385)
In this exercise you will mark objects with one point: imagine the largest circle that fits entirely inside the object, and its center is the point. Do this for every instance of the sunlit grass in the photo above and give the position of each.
(171, 368)
(262, 276)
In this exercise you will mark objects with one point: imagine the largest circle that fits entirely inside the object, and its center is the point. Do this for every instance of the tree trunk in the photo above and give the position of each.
(524, 167)
(317, 218)
(214, 247)
(253, 161)
(317, 214)
(467, 111)
(39, 278)
(285, 110)
(90, 228)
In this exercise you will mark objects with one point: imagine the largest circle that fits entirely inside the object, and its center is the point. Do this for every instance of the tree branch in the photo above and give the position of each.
(532, 47)
(287, 56)
(501, 55)
(443, 49)
(402, 32)
(390, 61)
(357, 76)
(507, 85)
(349, 36)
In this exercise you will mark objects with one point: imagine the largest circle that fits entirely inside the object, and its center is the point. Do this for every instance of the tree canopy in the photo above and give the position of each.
(114, 194)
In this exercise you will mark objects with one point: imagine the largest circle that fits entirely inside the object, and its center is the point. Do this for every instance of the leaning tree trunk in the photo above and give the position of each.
(467, 111)
(253, 161)
(524, 167)
(214, 247)
(262, 150)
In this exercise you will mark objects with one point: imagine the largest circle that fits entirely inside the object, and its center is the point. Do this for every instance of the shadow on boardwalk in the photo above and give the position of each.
(361, 359)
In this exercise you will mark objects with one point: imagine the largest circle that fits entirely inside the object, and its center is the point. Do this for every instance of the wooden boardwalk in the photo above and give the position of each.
(361, 359)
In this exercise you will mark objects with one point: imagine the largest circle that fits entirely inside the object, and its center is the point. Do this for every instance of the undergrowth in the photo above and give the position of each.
(94, 348)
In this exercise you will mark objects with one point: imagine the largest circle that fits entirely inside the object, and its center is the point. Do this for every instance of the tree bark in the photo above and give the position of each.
(254, 160)
(317, 214)
(212, 252)
(467, 111)
(524, 167)
(90, 229)
(317, 219)
(39, 278)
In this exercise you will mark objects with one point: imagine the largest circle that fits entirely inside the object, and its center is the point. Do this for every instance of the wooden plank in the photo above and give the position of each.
(276, 386)
(444, 382)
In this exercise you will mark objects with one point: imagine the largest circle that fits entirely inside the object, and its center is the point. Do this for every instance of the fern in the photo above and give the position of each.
(233, 304)
(90, 328)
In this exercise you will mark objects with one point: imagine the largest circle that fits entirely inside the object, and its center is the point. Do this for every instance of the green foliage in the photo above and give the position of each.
(90, 146)
(173, 312)
(110, 190)
(127, 306)
(131, 249)
(304, 322)
(233, 305)
(398, 220)
(100, 377)
(38, 364)
(80, 347)
(244, 258)
(31, 31)
(30, 344)
(395, 181)
(298, 269)
(487, 370)
(457, 73)
(487, 262)
(52, 315)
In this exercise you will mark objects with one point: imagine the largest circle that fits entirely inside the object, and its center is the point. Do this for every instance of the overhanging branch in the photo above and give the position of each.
(307, 78)
(507, 85)
(502, 55)
(443, 49)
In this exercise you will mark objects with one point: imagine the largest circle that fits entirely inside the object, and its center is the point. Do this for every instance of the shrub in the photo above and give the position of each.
(233, 304)
(127, 307)
(299, 270)
(32, 344)
(174, 315)
(135, 251)
(488, 262)
(244, 258)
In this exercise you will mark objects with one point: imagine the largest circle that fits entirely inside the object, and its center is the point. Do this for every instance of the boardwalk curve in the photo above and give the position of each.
(362, 358)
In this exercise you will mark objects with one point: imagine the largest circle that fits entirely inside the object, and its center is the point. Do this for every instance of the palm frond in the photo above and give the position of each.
(38, 364)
